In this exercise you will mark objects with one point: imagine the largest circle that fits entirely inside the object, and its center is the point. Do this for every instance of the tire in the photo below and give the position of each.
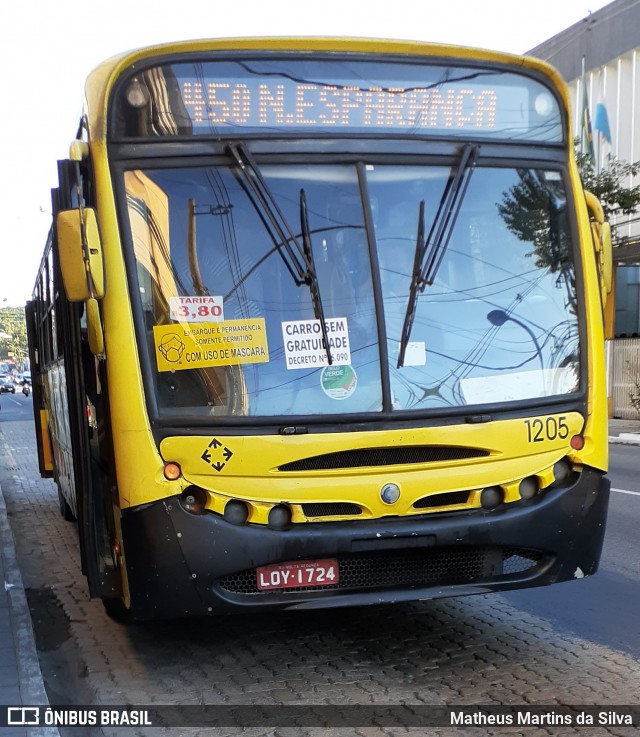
(117, 611)
(65, 510)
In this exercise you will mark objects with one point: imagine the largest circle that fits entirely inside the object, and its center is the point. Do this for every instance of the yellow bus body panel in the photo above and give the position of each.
(248, 467)
(47, 455)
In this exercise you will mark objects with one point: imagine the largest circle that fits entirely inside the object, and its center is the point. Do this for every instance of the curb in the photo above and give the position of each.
(625, 438)
(30, 681)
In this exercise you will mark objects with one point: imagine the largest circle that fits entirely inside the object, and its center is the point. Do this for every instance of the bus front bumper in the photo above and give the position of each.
(182, 564)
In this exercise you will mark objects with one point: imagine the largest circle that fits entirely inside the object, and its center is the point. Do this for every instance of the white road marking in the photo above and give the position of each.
(624, 491)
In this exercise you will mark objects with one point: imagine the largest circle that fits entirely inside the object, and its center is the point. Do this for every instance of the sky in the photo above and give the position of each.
(50, 46)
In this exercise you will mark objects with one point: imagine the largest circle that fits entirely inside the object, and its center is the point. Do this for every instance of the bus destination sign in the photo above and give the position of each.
(303, 105)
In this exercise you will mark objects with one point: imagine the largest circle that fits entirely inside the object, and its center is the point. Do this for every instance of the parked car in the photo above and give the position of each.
(7, 386)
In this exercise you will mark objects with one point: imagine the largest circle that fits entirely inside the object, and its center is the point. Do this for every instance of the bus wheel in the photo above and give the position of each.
(117, 611)
(65, 510)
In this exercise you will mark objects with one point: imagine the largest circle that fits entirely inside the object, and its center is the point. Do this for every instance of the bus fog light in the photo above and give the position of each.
(279, 517)
(528, 487)
(491, 497)
(194, 500)
(561, 470)
(236, 512)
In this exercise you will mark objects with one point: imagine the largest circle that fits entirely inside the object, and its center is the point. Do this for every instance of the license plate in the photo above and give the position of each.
(299, 574)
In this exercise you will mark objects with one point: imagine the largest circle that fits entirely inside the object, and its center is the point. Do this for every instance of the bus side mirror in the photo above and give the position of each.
(95, 334)
(607, 270)
(607, 257)
(80, 252)
(601, 233)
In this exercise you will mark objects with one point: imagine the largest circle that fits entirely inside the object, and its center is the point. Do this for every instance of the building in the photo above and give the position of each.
(601, 54)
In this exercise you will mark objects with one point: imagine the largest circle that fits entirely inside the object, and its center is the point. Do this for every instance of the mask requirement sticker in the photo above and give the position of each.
(202, 344)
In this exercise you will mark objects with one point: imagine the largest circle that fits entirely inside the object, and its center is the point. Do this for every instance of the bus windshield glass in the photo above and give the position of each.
(231, 326)
(351, 96)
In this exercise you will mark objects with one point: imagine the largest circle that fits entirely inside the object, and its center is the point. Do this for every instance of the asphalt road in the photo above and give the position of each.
(16, 406)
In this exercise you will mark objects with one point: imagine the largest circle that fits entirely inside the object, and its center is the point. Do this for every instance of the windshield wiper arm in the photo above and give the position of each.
(297, 258)
(275, 223)
(414, 287)
(312, 275)
(430, 252)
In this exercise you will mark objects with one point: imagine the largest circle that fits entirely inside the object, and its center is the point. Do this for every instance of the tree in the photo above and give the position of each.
(534, 210)
(13, 335)
(607, 185)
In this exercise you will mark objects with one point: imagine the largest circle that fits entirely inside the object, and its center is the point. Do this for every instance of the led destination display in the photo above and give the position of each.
(318, 106)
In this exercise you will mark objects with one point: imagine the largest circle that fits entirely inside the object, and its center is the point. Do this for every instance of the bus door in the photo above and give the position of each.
(40, 413)
(86, 403)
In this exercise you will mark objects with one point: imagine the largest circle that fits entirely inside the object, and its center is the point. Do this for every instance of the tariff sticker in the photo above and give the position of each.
(196, 309)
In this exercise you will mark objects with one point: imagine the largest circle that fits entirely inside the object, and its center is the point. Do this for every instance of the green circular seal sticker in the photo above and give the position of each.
(338, 382)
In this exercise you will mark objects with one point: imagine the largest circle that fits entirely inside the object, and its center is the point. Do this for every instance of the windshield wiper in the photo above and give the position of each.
(266, 206)
(430, 251)
(297, 258)
(312, 274)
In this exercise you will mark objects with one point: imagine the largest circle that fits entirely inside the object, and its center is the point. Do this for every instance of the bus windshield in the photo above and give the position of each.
(232, 330)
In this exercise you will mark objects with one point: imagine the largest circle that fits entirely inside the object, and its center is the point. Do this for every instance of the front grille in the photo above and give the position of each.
(408, 568)
(394, 456)
(446, 499)
(331, 509)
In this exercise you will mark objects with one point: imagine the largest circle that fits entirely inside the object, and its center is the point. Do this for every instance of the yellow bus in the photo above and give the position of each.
(320, 323)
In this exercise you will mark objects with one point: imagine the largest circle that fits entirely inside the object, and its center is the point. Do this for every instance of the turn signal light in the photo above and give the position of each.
(172, 471)
(577, 442)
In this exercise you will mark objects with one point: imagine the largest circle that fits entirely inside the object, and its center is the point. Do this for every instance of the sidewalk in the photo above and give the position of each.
(20, 676)
(21, 680)
(624, 432)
